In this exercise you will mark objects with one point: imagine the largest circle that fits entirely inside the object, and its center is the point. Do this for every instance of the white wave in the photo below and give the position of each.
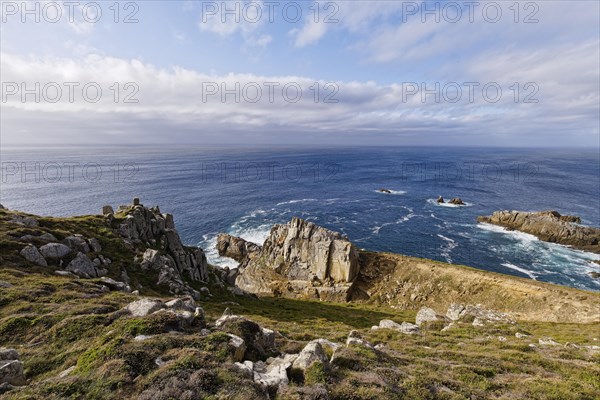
(515, 234)
(296, 201)
(446, 249)
(435, 203)
(399, 221)
(396, 192)
(531, 274)
(209, 246)
(256, 235)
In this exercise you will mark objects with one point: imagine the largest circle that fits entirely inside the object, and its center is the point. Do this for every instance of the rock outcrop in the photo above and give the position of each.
(235, 247)
(297, 259)
(163, 250)
(549, 226)
(83, 267)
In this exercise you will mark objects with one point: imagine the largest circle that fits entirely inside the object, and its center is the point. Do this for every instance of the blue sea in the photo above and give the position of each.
(244, 191)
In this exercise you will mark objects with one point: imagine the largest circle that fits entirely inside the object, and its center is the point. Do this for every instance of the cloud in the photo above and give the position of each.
(310, 33)
(196, 107)
(236, 17)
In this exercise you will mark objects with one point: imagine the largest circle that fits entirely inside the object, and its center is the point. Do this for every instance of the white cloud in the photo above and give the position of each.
(310, 33)
(178, 101)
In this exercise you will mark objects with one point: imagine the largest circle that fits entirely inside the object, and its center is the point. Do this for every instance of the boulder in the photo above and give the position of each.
(328, 344)
(82, 266)
(11, 368)
(311, 353)
(404, 327)
(8, 354)
(95, 245)
(26, 221)
(145, 306)
(77, 243)
(354, 338)
(107, 210)
(440, 199)
(48, 237)
(273, 373)
(115, 285)
(477, 313)
(31, 254)
(259, 342)
(387, 191)
(179, 319)
(54, 250)
(548, 341)
(426, 314)
(238, 347)
(246, 368)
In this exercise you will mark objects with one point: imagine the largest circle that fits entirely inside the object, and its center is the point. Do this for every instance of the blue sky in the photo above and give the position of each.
(373, 53)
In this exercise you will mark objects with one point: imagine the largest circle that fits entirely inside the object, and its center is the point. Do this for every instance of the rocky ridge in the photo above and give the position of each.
(146, 232)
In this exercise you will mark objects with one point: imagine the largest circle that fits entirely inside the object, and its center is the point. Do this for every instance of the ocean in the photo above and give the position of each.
(244, 191)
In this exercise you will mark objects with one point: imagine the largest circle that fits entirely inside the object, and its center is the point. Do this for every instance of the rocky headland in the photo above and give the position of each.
(116, 306)
(549, 226)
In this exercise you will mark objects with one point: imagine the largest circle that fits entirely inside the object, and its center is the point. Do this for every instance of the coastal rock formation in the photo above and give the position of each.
(234, 247)
(387, 191)
(297, 259)
(164, 252)
(549, 226)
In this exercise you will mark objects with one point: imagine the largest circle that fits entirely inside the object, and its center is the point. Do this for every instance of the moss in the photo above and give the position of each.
(315, 374)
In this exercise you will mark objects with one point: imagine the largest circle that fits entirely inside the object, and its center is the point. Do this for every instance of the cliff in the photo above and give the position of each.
(549, 226)
(296, 259)
(115, 306)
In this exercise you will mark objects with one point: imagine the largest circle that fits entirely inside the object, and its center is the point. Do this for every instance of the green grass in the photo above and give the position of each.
(58, 322)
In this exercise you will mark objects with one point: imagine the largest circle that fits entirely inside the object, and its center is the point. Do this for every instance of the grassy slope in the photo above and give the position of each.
(410, 283)
(58, 322)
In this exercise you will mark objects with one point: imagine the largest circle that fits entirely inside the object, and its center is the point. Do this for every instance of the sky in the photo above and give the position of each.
(472, 73)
